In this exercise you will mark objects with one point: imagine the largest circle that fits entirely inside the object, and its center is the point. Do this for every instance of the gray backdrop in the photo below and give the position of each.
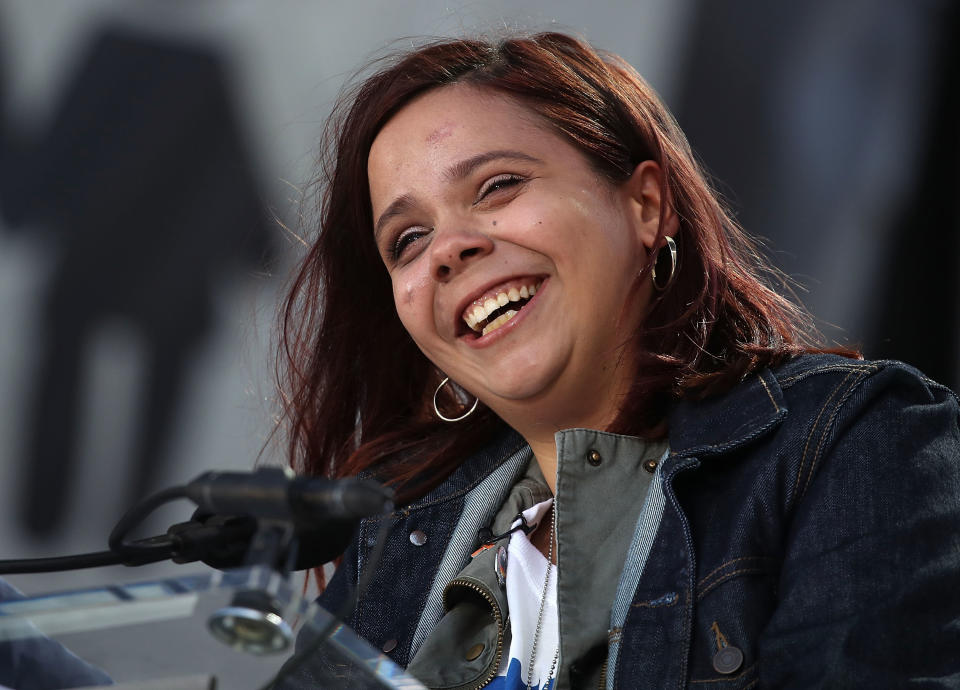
(820, 120)
(284, 63)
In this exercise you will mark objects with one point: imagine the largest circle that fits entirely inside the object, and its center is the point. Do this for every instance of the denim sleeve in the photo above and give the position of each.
(869, 594)
(39, 663)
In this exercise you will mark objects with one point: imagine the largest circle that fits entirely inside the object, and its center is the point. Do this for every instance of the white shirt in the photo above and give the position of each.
(526, 571)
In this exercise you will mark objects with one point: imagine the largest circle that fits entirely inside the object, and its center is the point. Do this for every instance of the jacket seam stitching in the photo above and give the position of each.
(723, 565)
(769, 394)
(790, 380)
(688, 593)
(794, 494)
(360, 553)
(727, 444)
(833, 416)
(742, 571)
(940, 387)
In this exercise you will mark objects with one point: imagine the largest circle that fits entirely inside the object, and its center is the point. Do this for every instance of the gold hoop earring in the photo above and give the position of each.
(440, 414)
(668, 252)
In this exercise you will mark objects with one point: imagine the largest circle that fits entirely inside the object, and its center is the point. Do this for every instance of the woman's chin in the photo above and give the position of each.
(523, 398)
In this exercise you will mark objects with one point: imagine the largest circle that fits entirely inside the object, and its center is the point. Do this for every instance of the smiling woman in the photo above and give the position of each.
(469, 222)
(516, 237)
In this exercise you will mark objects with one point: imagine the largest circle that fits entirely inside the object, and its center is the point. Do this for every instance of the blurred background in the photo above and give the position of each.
(152, 153)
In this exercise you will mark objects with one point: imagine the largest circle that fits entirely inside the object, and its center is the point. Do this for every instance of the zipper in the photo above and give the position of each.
(498, 616)
(603, 676)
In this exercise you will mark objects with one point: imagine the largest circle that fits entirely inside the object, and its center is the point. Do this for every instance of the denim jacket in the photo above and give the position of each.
(803, 531)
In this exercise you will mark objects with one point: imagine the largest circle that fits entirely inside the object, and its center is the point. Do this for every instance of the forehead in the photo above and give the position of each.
(440, 112)
(451, 123)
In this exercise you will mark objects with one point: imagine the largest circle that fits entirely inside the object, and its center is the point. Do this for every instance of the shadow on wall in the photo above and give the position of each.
(144, 188)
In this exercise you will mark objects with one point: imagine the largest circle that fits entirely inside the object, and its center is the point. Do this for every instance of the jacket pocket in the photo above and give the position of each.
(734, 603)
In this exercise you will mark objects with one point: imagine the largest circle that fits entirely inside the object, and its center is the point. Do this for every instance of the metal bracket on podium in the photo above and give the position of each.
(171, 631)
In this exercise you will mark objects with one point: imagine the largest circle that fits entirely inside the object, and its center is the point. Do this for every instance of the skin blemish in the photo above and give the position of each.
(493, 223)
(439, 134)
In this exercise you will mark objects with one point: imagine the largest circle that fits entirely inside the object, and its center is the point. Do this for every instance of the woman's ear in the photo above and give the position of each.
(644, 189)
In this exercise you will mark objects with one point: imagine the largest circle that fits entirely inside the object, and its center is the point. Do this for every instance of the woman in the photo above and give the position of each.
(525, 298)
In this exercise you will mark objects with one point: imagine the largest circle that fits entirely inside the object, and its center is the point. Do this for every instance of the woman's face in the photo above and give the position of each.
(514, 263)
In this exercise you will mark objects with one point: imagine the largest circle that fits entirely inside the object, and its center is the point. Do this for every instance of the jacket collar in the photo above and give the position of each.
(473, 470)
(718, 424)
(696, 428)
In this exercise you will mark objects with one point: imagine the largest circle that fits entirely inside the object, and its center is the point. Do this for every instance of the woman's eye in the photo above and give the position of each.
(497, 183)
(404, 240)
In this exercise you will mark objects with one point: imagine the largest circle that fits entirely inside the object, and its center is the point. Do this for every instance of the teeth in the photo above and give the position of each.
(476, 315)
(499, 321)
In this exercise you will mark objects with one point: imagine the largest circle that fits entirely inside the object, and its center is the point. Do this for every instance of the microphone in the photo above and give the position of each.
(222, 541)
(277, 493)
(233, 509)
(324, 514)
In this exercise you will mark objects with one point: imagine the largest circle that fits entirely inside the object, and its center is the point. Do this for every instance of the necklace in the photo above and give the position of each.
(543, 601)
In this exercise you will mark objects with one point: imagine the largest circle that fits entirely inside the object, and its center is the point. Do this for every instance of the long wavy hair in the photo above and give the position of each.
(357, 392)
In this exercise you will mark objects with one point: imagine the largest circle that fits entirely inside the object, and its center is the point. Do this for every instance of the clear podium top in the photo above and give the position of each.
(234, 629)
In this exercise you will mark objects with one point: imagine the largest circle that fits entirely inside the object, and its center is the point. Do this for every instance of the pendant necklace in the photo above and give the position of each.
(543, 601)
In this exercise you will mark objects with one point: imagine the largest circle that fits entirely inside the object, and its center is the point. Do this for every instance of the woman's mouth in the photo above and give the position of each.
(496, 307)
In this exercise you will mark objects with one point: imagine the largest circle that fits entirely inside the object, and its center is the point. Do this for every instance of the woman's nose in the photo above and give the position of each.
(453, 250)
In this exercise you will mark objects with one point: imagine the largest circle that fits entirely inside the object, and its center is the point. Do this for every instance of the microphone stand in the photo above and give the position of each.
(269, 513)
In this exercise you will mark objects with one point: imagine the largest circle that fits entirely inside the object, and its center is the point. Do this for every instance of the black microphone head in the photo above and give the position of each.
(233, 506)
(222, 541)
(316, 499)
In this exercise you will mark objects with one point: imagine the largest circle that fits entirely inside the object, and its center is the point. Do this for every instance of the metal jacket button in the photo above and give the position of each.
(650, 465)
(593, 457)
(728, 660)
(475, 651)
(418, 537)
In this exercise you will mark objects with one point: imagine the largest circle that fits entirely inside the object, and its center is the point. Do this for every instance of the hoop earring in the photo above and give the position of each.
(669, 250)
(440, 414)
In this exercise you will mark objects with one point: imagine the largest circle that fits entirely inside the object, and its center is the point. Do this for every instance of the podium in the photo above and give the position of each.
(226, 630)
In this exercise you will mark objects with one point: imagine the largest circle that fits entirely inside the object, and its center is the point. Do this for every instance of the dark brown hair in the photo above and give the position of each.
(358, 392)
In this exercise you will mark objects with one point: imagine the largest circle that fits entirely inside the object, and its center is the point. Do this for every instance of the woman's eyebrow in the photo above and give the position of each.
(397, 207)
(462, 169)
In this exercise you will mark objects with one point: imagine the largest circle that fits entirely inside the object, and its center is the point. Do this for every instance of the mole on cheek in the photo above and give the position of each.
(494, 223)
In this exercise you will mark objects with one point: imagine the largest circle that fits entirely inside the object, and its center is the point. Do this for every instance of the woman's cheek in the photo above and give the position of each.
(410, 299)
(525, 217)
